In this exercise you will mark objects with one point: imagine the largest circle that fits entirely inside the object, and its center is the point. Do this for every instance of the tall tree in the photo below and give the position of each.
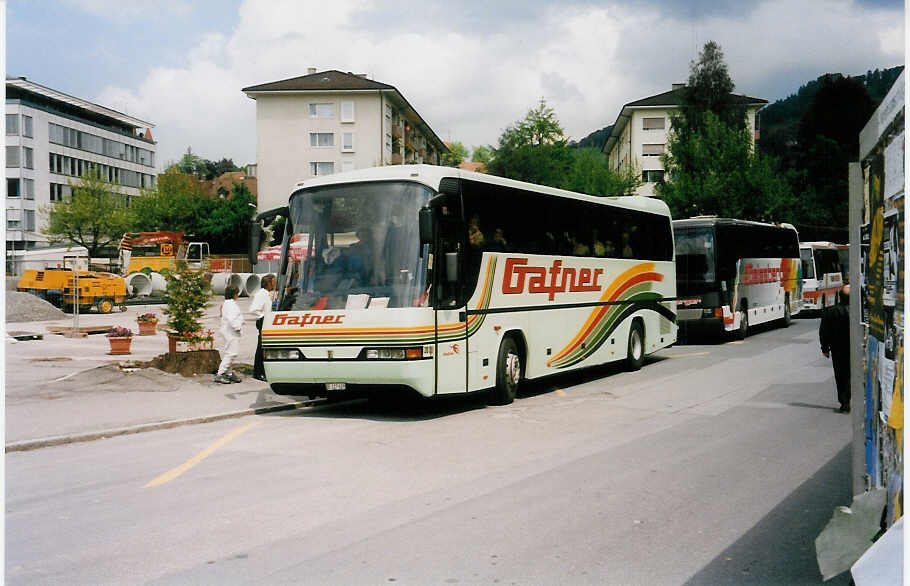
(533, 149)
(710, 89)
(225, 227)
(482, 154)
(95, 216)
(178, 202)
(590, 173)
(457, 153)
(192, 164)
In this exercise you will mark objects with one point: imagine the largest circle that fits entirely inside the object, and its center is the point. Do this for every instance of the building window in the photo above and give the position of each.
(322, 168)
(28, 188)
(13, 218)
(322, 139)
(30, 220)
(12, 124)
(27, 127)
(29, 158)
(347, 111)
(12, 156)
(653, 123)
(12, 187)
(347, 142)
(322, 110)
(652, 176)
(652, 150)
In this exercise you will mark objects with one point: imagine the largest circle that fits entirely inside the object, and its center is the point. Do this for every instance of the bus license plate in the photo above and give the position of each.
(334, 386)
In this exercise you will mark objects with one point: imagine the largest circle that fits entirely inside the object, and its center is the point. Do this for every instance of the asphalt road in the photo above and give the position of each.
(717, 463)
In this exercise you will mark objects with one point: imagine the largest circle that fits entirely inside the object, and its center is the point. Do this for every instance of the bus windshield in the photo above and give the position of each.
(695, 255)
(808, 267)
(354, 246)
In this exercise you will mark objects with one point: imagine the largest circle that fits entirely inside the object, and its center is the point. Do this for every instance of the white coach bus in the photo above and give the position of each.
(446, 281)
(822, 274)
(733, 274)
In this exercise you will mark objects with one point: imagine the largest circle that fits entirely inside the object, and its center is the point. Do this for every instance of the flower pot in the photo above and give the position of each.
(120, 345)
(147, 328)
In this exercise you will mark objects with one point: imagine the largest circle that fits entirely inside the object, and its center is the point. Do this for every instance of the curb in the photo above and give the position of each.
(27, 445)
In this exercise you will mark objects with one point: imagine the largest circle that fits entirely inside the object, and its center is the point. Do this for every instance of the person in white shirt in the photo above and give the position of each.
(231, 326)
(261, 302)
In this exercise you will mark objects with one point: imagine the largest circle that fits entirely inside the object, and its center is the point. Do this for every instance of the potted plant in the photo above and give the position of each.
(120, 339)
(148, 323)
(186, 296)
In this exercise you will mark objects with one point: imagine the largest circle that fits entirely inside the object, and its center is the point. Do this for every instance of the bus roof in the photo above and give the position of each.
(431, 175)
(702, 221)
(817, 244)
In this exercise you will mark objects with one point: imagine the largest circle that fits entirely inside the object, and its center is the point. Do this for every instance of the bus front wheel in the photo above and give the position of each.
(508, 373)
(636, 350)
(788, 319)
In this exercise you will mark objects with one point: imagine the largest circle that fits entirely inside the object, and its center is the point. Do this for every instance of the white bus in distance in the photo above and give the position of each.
(445, 281)
(822, 274)
(732, 274)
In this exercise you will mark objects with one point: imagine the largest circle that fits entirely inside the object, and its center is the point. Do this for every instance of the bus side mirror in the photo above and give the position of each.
(425, 225)
(452, 267)
(255, 240)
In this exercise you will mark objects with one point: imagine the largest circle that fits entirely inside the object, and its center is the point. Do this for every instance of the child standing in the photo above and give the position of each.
(231, 325)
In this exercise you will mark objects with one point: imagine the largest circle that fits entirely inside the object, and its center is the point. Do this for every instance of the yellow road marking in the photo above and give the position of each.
(560, 392)
(737, 342)
(175, 472)
(689, 354)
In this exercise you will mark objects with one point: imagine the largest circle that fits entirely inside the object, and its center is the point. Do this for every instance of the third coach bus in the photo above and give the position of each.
(445, 281)
(822, 274)
(732, 274)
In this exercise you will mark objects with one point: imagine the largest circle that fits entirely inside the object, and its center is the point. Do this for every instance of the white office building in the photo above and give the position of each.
(330, 122)
(52, 139)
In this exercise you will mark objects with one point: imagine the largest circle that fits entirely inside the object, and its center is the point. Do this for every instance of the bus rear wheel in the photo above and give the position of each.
(787, 319)
(743, 330)
(636, 350)
(104, 305)
(508, 373)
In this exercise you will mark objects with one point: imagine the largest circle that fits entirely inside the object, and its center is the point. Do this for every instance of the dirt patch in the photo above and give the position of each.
(186, 364)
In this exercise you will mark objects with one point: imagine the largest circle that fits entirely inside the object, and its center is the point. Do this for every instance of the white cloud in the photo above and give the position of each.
(469, 83)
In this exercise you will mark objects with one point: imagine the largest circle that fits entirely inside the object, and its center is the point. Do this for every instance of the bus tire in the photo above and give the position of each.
(635, 355)
(508, 373)
(104, 305)
(787, 319)
(743, 330)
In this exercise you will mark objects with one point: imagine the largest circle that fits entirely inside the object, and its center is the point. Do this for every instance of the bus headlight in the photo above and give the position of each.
(415, 353)
(281, 354)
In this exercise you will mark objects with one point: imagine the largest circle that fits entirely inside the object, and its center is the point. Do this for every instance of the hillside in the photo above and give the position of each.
(596, 139)
(780, 120)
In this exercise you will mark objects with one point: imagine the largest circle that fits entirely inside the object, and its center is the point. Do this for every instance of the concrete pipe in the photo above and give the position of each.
(138, 285)
(221, 280)
(251, 283)
(159, 284)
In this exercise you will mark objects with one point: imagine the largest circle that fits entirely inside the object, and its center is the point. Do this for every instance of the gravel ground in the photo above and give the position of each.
(27, 307)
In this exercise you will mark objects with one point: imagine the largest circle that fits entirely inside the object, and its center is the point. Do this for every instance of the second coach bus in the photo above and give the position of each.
(733, 274)
(446, 281)
(822, 274)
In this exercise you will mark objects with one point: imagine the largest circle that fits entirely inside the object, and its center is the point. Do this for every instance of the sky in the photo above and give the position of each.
(469, 68)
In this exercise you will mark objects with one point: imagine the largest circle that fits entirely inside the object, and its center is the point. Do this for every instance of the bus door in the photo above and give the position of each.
(451, 320)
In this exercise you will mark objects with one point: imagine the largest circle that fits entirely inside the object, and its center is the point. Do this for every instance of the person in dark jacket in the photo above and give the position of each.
(834, 335)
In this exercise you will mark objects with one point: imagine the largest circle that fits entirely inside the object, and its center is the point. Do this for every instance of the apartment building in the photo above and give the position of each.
(52, 139)
(639, 135)
(330, 122)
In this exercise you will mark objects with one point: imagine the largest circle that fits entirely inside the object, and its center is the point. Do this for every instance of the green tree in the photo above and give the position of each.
(457, 153)
(215, 169)
(710, 89)
(482, 154)
(192, 164)
(590, 173)
(95, 216)
(716, 172)
(178, 202)
(533, 149)
(226, 225)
